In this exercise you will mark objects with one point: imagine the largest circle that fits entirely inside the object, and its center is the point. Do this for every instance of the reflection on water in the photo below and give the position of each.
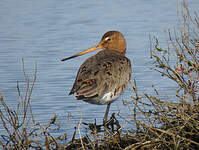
(44, 32)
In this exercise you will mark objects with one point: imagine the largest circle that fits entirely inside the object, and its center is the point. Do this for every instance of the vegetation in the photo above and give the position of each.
(167, 125)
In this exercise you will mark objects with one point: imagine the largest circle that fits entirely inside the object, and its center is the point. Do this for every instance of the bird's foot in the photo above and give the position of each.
(93, 126)
(110, 125)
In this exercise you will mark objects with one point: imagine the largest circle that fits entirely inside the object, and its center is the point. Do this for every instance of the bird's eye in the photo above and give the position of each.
(107, 39)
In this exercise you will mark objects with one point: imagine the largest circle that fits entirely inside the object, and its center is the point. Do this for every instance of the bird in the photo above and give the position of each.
(102, 78)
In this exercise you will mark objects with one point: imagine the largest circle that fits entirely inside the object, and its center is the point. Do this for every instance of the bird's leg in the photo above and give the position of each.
(106, 113)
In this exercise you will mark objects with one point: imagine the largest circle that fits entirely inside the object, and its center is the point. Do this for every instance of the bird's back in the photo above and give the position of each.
(102, 78)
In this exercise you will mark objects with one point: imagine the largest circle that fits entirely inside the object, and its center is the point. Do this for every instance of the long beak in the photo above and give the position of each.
(96, 47)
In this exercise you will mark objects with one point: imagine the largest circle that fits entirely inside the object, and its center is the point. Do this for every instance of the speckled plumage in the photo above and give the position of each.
(107, 71)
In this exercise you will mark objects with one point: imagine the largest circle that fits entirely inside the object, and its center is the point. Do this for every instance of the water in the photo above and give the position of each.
(44, 32)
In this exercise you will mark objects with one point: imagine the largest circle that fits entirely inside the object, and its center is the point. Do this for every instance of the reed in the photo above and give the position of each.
(21, 129)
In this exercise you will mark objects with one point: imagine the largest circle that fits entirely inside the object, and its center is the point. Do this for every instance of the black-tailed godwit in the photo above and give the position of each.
(102, 78)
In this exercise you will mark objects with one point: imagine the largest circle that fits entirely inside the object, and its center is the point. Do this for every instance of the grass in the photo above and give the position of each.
(167, 125)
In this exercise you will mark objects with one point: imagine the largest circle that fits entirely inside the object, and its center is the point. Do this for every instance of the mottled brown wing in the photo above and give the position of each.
(106, 71)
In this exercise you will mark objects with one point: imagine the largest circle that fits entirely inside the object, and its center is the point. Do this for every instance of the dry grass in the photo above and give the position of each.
(22, 132)
(167, 125)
